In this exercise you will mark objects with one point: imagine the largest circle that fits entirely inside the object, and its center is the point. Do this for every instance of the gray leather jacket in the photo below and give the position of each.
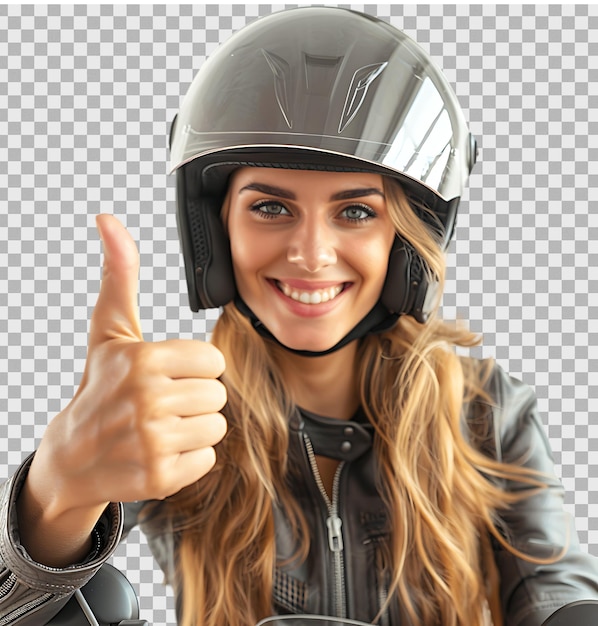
(340, 576)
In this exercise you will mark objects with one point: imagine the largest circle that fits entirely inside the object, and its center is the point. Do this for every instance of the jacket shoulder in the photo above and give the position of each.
(502, 419)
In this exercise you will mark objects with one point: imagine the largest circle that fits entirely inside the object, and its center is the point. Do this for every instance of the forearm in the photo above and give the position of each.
(55, 539)
(31, 590)
(54, 531)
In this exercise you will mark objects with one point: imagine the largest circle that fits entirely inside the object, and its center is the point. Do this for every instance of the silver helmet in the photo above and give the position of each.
(316, 87)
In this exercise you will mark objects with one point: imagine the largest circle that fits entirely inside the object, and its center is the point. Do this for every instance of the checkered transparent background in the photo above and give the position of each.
(87, 94)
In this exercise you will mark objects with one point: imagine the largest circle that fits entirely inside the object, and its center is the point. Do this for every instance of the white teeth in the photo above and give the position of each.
(311, 297)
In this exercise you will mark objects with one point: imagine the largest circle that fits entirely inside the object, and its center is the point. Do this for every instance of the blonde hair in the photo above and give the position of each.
(442, 505)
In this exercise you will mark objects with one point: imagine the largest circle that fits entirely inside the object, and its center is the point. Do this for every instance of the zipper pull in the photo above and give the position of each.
(335, 537)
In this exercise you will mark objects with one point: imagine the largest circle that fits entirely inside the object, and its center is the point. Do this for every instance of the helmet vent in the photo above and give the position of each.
(362, 79)
(281, 70)
(320, 74)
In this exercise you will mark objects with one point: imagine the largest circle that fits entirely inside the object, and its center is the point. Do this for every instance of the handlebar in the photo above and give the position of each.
(580, 612)
(309, 620)
(109, 599)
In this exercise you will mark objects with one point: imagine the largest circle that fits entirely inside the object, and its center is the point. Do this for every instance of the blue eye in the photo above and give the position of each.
(269, 209)
(358, 213)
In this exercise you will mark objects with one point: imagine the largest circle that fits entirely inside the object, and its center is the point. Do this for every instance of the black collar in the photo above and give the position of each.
(343, 440)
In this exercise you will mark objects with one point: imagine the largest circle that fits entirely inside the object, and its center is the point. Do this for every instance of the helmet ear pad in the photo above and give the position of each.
(205, 247)
(407, 289)
(208, 264)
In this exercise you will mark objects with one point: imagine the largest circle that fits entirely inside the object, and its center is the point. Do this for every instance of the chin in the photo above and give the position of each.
(307, 344)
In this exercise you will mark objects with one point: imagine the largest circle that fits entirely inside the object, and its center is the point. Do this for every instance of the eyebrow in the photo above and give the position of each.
(289, 195)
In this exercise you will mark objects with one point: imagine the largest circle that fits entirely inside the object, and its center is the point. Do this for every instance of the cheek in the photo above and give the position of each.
(249, 253)
(372, 258)
(241, 256)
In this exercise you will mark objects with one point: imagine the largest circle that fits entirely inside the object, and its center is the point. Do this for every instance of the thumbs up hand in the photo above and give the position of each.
(146, 416)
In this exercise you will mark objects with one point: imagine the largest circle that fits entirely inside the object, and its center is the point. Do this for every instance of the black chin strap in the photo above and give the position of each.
(376, 321)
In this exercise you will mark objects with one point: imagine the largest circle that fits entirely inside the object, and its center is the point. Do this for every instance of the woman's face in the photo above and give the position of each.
(310, 250)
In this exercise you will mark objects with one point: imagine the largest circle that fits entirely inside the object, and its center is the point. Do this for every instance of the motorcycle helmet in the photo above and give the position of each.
(318, 88)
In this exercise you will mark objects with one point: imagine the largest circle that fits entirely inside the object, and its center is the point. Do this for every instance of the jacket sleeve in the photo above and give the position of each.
(538, 525)
(31, 593)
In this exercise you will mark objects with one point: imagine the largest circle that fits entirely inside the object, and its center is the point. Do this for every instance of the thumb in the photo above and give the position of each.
(116, 314)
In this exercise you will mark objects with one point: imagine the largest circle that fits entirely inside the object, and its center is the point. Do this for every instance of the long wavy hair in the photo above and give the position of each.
(438, 489)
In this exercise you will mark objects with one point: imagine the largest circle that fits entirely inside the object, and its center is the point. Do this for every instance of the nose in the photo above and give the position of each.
(312, 246)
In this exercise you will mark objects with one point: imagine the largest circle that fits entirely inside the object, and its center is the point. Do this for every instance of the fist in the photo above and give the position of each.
(146, 416)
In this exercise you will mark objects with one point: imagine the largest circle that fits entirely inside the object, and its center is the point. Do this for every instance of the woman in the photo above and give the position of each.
(366, 470)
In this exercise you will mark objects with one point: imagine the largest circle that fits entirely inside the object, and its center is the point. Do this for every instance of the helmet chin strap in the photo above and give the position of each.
(376, 321)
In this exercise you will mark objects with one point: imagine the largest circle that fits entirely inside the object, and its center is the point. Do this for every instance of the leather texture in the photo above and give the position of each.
(511, 431)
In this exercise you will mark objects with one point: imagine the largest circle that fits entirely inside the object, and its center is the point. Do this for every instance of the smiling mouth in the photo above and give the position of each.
(317, 296)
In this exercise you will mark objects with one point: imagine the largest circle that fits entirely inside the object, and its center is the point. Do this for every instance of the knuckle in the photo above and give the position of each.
(219, 428)
(145, 410)
(209, 459)
(214, 429)
(141, 356)
(203, 461)
(147, 440)
(220, 393)
(216, 359)
(221, 425)
(156, 484)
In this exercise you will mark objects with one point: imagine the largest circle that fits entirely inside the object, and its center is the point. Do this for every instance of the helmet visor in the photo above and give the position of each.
(353, 87)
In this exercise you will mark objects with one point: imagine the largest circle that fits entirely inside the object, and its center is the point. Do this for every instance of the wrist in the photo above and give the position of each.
(53, 531)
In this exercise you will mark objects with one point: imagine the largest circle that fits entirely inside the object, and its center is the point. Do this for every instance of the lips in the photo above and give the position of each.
(310, 296)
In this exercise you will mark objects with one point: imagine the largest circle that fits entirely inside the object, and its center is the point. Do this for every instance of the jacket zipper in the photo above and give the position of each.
(7, 585)
(382, 595)
(334, 525)
(29, 607)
